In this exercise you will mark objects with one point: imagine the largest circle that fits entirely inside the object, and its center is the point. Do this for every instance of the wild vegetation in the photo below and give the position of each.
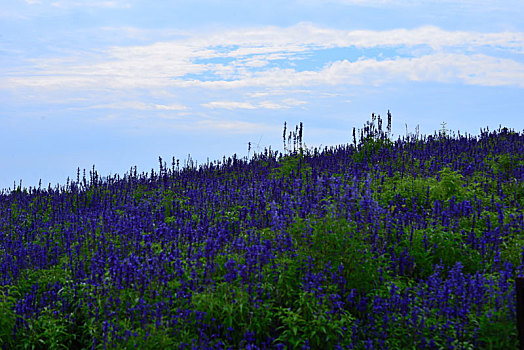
(379, 244)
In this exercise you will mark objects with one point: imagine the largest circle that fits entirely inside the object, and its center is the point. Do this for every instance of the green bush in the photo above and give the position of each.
(308, 320)
(450, 184)
(496, 330)
(435, 245)
(8, 297)
(335, 241)
(291, 163)
(443, 187)
(369, 147)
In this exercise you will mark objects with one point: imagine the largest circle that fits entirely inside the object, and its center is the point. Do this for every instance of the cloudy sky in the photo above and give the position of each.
(119, 83)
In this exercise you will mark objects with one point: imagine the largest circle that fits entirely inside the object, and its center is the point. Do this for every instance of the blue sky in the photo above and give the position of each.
(118, 83)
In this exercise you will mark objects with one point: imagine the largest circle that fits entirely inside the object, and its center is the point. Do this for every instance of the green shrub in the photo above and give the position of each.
(335, 241)
(230, 306)
(496, 330)
(291, 163)
(8, 297)
(407, 187)
(49, 330)
(450, 184)
(447, 184)
(370, 147)
(308, 320)
(435, 245)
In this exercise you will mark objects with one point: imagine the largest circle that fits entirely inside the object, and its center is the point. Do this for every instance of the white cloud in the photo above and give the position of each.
(137, 105)
(266, 104)
(250, 58)
(446, 68)
(80, 3)
(171, 107)
(274, 92)
(367, 3)
(409, 3)
(284, 104)
(229, 105)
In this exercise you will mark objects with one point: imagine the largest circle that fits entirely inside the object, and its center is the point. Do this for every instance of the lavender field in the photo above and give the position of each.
(411, 243)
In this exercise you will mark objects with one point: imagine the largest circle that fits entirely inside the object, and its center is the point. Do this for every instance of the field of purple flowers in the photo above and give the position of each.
(379, 244)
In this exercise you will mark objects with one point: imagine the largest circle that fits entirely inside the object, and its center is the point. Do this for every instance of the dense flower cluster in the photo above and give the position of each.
(408, 244)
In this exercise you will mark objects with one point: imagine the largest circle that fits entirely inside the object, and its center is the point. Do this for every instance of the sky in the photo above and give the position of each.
(117, 83)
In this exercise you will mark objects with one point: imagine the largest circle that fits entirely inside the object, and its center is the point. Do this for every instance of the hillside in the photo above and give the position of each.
(377, 244)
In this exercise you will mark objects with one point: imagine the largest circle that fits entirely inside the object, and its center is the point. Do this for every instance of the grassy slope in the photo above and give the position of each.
(413, 244)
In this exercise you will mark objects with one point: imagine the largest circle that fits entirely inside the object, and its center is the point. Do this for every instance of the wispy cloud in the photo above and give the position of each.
(137, 105)
(171, 107)
(367, 3)
(410, 3)
(284, 104)
(81, 3)
(229, 105)
(275, 92)
(277, 59)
